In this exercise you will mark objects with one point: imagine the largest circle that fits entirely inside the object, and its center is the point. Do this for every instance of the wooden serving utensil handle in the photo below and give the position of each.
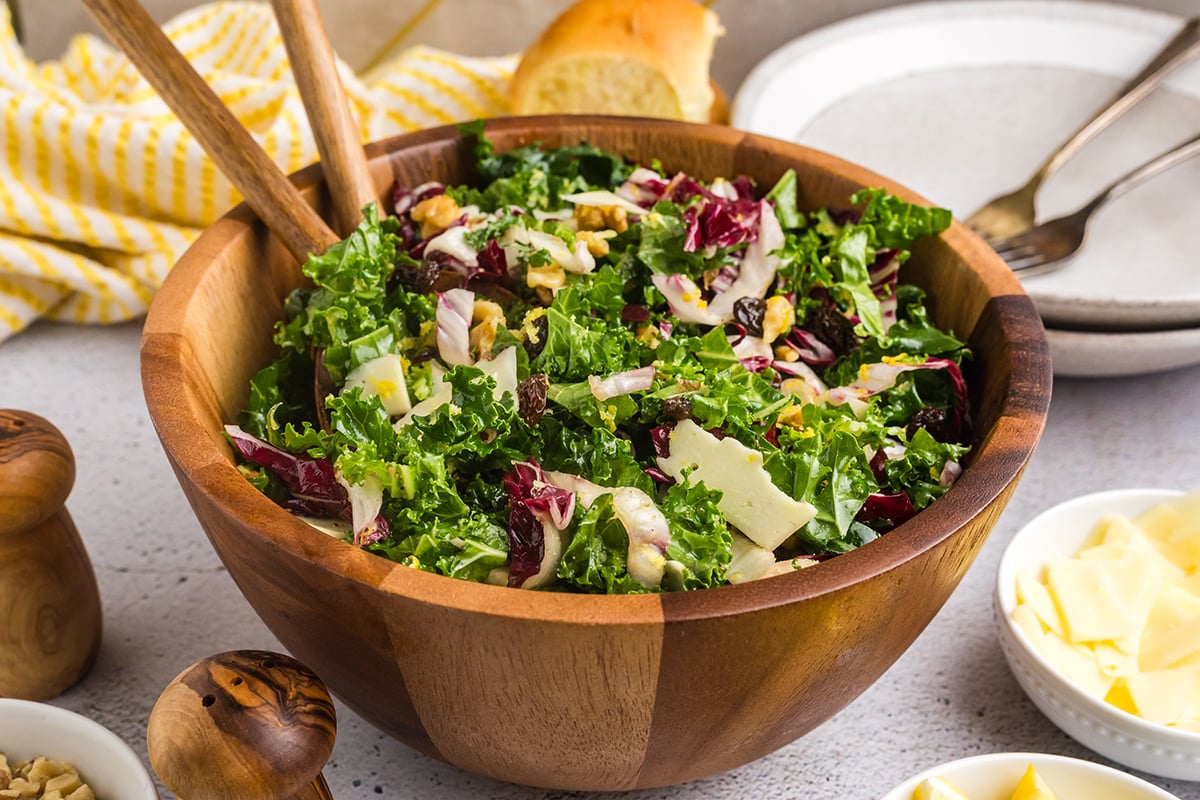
(247, 723)
(266, 189)
(51, 626)
(315, 67)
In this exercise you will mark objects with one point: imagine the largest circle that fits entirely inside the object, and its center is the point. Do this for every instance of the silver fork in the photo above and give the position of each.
(1046, 246)
(1009, 214)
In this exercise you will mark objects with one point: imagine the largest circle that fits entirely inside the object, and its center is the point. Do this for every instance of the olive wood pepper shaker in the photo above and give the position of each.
(50, 618)
(249, 724)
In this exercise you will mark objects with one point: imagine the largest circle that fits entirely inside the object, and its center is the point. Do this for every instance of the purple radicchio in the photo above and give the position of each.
(534, 505)
(885, 511)
(313, 484)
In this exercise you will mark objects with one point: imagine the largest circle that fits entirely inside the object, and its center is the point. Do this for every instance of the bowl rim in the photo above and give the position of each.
(1021, 418)
(98, 736)
(903, 791)
(1139, 499)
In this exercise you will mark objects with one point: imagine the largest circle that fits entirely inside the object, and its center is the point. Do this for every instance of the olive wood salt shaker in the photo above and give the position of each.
(50, 616)
(249, 724)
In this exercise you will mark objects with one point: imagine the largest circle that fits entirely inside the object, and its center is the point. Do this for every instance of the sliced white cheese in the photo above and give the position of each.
(1105, 598)
(383, 377)
(1113, 661)
(749, 500)
(1167, 646)
(1076, 664)
(1175, 529)
(1034, 593)
(1163, 696)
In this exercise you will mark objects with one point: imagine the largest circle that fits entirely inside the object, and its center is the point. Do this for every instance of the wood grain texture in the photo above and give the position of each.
(50, 614)
(230, 146)
(247, 723)
(314, 65)
(585, 692)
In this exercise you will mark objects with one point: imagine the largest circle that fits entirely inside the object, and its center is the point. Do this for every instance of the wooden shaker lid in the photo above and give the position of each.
(37, 470)
(246, 723)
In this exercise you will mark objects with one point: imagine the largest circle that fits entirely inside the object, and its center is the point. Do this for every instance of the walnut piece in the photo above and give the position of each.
(42, 779)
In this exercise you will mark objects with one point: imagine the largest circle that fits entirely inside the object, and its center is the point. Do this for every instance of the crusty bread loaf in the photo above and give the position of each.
(636, 57)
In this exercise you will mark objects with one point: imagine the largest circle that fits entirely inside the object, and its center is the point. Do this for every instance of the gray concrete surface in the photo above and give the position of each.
(168, 601)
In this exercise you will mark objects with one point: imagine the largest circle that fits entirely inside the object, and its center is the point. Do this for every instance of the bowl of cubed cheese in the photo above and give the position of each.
(1098, 613)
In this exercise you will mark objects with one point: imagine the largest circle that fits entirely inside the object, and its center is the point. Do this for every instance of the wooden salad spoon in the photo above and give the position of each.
(247, 724)
(266, 189)
(315, 68)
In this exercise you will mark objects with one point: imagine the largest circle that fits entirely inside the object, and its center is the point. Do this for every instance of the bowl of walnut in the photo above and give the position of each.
(50, 753)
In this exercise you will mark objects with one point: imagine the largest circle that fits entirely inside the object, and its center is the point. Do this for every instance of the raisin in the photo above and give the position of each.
(933, 420)
(749, 312)
(420, 280)
(832, 328)
(677, 407)
(534, 345)
(531, 398)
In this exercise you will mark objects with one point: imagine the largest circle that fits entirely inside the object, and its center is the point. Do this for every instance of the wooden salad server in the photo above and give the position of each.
(249, 724)
(50, 615)
(266, 189)
(315, 68)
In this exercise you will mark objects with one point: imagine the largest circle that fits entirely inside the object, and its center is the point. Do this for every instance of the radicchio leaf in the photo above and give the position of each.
(885, 511)
(533, 503)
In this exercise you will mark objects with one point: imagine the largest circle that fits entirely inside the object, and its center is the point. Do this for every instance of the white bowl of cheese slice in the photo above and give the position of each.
(1098, 613)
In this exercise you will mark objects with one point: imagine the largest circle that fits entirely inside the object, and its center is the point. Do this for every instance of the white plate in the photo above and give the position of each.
(963, 100)
(993, 777)
(1089, 354)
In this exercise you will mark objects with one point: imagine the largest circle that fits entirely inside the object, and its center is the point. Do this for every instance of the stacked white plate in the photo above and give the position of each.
(961, 101)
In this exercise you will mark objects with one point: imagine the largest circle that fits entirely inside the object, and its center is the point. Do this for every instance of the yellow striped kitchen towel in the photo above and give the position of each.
(102, 188)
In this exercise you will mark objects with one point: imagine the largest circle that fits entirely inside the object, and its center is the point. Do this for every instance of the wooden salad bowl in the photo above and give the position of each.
(576, 691)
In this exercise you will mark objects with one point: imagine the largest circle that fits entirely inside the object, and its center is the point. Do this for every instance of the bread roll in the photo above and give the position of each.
(636, 57)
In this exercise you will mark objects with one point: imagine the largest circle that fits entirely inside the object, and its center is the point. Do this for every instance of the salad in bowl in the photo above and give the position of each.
(588, 375)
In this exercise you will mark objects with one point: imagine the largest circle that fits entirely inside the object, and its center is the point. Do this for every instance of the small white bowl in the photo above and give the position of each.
(994, 776)
(103, 759)
(1130, 740)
